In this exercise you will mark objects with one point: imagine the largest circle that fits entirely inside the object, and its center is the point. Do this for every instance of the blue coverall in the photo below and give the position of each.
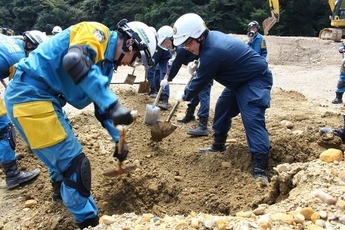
(11, 51)
(36, 94)
(183, 56)
(247, 80)
(161, 58)
(259, 44)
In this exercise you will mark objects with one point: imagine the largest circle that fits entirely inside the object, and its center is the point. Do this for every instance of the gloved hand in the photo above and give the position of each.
(341, 49)
(164, 82)
(192, 67)
(179, 96)
(121, 156)
(119, 114)
(171, 60)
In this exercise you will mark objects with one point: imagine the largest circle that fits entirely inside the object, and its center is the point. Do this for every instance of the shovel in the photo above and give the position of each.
(130, 78)
(144, 86)
(164, 128)
(122, 140)
(152, 111)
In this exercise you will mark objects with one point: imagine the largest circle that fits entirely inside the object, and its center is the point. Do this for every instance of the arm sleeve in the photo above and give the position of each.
(176, 65)
(205, 74)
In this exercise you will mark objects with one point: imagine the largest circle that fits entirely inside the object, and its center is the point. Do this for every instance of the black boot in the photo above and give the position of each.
(189, 115)
(56, 191)
(218, 144)
(259, 167)
(201, 130)
(338, 98)
(93, 222)
(14, 177)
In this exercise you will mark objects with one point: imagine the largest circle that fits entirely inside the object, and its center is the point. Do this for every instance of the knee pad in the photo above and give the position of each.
(78, 175)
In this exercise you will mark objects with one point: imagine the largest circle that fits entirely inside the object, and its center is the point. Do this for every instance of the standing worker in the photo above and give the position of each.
(11, 51)
(183, 56)
(341, 81)
(247, 80)
(74, 67)
(256, 40)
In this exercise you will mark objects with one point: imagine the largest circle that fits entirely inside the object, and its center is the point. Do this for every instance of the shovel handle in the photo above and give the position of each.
(122, 140)
(158, 96)
(133, 70)
(173, 111)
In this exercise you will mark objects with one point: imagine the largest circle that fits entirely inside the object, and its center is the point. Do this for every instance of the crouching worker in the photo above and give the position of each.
(247, 80)
(75, 67)
(11, 51)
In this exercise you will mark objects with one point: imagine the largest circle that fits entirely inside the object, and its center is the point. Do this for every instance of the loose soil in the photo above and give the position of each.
(171, 177)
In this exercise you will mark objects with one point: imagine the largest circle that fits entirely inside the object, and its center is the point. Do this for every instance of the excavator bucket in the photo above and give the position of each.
(269, 22)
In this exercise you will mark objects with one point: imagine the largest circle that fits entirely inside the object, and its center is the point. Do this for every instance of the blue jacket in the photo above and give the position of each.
(259, 44)
(11, 51)
(183, 57)
(230, 62)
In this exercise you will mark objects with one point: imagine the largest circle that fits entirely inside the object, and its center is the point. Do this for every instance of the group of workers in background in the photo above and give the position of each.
(76, 66)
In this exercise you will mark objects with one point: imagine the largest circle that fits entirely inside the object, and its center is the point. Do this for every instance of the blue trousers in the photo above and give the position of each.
(156, 74)
(7, 154)
(341, 84)
(251, 100)
(204, 99)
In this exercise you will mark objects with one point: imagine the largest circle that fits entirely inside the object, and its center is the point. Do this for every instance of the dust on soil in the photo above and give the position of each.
(171, 177)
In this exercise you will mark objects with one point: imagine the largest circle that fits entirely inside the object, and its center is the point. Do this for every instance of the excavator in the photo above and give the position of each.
(269, 22)
(337, 20)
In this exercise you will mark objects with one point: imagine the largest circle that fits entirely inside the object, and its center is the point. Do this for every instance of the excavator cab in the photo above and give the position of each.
(269, 22)
(337, 20)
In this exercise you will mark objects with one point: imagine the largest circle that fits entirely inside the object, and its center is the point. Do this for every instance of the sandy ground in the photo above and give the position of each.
(171, 178)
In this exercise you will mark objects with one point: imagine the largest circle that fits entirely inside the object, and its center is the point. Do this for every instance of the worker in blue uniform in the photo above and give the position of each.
(184, 57)
(247, 80)
(157, 73)
(256, 40)
(75, 66)
(11, 51)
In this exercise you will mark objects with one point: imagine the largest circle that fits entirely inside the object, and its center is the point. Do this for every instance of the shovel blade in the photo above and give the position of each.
(162, 130)
(151, 115)
(144, 87)
(121, 170)
(130, 79)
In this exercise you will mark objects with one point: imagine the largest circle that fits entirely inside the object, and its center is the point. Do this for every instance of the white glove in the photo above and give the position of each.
(341, 49)
(179, 96)
(171, 60)
(164, 82)
(192, 67)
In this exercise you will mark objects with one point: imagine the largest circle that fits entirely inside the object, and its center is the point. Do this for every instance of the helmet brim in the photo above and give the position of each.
(180, 39)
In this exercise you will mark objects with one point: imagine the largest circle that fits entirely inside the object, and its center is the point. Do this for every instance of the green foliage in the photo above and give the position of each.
(298, 17)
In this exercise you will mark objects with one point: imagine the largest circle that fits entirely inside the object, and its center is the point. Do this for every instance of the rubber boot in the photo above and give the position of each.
(189, 115)
(14, 177)
(259, 167)
(201, 129)
(218, 144)
(164, 103)
(56, 191)
(93, 222)
(338, 98)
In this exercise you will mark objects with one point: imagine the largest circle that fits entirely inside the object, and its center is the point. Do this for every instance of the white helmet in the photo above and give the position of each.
(165, 32)
(56, 30)
(35, 37)
(153, 30)
(143, 36)
(186, 26)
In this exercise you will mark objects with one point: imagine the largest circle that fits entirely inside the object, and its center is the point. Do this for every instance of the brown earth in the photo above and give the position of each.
(172, 178)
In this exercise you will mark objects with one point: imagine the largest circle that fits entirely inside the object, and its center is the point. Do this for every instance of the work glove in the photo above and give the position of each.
(180, 96)
(192, 67)
(121, 156)
(164, 82)
(170, 62)
(119, 114)
(341, 49)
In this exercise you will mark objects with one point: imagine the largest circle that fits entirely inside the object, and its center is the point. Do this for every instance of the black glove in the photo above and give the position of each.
(121, 156)
(119, 114)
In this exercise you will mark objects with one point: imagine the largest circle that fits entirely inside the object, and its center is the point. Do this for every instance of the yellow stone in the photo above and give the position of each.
(331, 155)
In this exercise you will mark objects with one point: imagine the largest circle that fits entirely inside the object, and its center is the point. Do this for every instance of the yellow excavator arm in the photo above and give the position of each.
(337, 21)
(269, 22)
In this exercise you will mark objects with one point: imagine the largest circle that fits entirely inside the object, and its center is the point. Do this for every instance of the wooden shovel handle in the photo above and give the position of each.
(158, 96)
(173, 111)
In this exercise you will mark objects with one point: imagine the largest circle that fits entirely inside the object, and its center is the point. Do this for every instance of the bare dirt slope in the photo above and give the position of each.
(173, 179)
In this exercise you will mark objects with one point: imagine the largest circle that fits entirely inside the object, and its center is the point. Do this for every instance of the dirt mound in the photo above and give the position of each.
(172, 178)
